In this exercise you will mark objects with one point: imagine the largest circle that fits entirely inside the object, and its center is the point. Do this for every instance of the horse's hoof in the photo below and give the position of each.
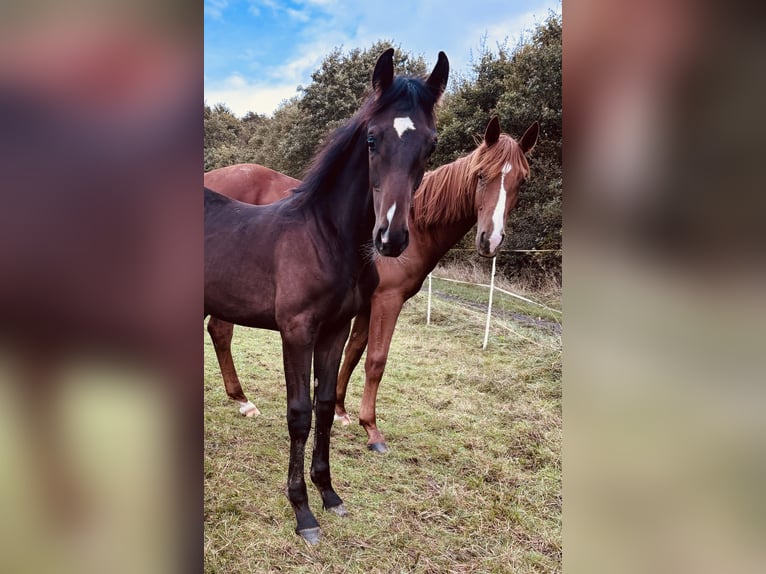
(345, 420)
(311, 535)
(340, 510)
(248, 409)
(379, 447)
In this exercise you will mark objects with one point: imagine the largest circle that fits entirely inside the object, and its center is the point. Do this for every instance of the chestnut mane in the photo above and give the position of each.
(446, 193)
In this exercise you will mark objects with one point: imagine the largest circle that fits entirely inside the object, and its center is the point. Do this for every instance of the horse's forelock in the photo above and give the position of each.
(404, 91)
(489, 160)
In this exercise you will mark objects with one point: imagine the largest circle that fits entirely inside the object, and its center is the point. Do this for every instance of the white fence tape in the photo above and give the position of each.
(492, 289)
(509, 293)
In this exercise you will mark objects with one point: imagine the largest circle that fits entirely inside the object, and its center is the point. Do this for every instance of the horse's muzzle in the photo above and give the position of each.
(484, 247)
(391, 244)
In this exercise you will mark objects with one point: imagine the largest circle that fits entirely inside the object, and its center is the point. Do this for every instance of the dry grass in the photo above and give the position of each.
(472, 482)
(476, 269)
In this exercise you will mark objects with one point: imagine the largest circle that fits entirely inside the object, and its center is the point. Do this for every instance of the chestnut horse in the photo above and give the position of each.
(302, 265)
(481, 187)
(251, 183)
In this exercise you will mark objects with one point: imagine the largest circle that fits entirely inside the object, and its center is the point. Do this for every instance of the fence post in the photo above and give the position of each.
(489, 305)
(428, 309)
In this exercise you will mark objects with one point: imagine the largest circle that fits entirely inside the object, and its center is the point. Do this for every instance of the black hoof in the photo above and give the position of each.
(311, 535)
(379, 447)
(340, 510)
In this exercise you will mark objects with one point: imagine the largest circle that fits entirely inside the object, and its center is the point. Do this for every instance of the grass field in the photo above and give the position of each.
(473, 479)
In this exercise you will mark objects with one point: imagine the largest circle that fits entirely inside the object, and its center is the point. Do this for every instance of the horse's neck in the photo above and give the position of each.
(346, 205)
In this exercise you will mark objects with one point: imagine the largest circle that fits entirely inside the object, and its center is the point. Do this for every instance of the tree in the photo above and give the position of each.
(226, 136)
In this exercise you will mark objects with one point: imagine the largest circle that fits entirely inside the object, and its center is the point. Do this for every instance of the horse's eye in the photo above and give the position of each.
(371, 142)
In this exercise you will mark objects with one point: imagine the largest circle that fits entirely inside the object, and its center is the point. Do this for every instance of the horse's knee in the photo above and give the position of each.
(325, 406)
(299, 422)
(374, 367)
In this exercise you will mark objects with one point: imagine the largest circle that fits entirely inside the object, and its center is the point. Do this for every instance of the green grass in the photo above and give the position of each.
(472, 482)
(501, 302)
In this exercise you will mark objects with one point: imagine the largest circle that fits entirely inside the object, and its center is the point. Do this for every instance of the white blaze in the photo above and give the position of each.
(401, 125)
(389, 217)
(497, 214)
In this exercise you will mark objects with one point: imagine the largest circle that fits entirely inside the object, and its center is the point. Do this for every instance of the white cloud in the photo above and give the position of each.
(214, 8)
(308, 58)
(326, 24)
(242, 96)
(514, 28)
(264, 94)
(300, 15)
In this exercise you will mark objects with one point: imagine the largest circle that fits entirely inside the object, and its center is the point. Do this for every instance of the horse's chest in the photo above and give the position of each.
(329, 289)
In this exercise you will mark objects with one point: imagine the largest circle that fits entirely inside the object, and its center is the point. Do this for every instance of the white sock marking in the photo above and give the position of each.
(401, 125)
(247, 407)
(497, 214)
(389, 217)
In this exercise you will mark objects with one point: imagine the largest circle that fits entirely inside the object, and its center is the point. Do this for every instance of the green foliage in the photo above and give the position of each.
(520, 85)
(227, 138)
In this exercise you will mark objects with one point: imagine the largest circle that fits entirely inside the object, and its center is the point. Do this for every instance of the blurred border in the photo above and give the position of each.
(101, 290)
(663, 280)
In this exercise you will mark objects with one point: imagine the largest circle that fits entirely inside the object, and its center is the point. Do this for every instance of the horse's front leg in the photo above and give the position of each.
(221, 333)
(327, 354)
(355, 347)
(383, 315)
(297, 348)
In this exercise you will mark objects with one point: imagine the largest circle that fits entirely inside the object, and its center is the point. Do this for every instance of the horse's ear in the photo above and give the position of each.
(492, 133)
(437, 81)
(383, 75)
(529, 139)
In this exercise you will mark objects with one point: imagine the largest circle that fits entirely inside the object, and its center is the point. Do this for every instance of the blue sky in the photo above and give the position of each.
(257, 52)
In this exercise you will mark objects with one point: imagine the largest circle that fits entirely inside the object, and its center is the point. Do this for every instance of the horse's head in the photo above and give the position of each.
(501, 167)
(401, 135)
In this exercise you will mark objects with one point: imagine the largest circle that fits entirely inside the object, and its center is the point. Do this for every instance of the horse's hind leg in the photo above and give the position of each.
(221, 333)
(327, 354)
(355, 347)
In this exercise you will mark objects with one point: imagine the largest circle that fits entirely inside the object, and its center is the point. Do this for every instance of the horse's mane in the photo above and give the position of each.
(446, 193)
(342, 145)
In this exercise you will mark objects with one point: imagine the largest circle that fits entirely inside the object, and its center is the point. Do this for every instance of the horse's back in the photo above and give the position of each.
(250, 183)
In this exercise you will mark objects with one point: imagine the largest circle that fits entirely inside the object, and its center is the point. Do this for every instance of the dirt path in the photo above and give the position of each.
(523, 319)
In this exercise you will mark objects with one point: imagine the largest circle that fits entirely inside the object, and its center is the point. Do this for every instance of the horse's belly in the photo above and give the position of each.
(248, 307)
